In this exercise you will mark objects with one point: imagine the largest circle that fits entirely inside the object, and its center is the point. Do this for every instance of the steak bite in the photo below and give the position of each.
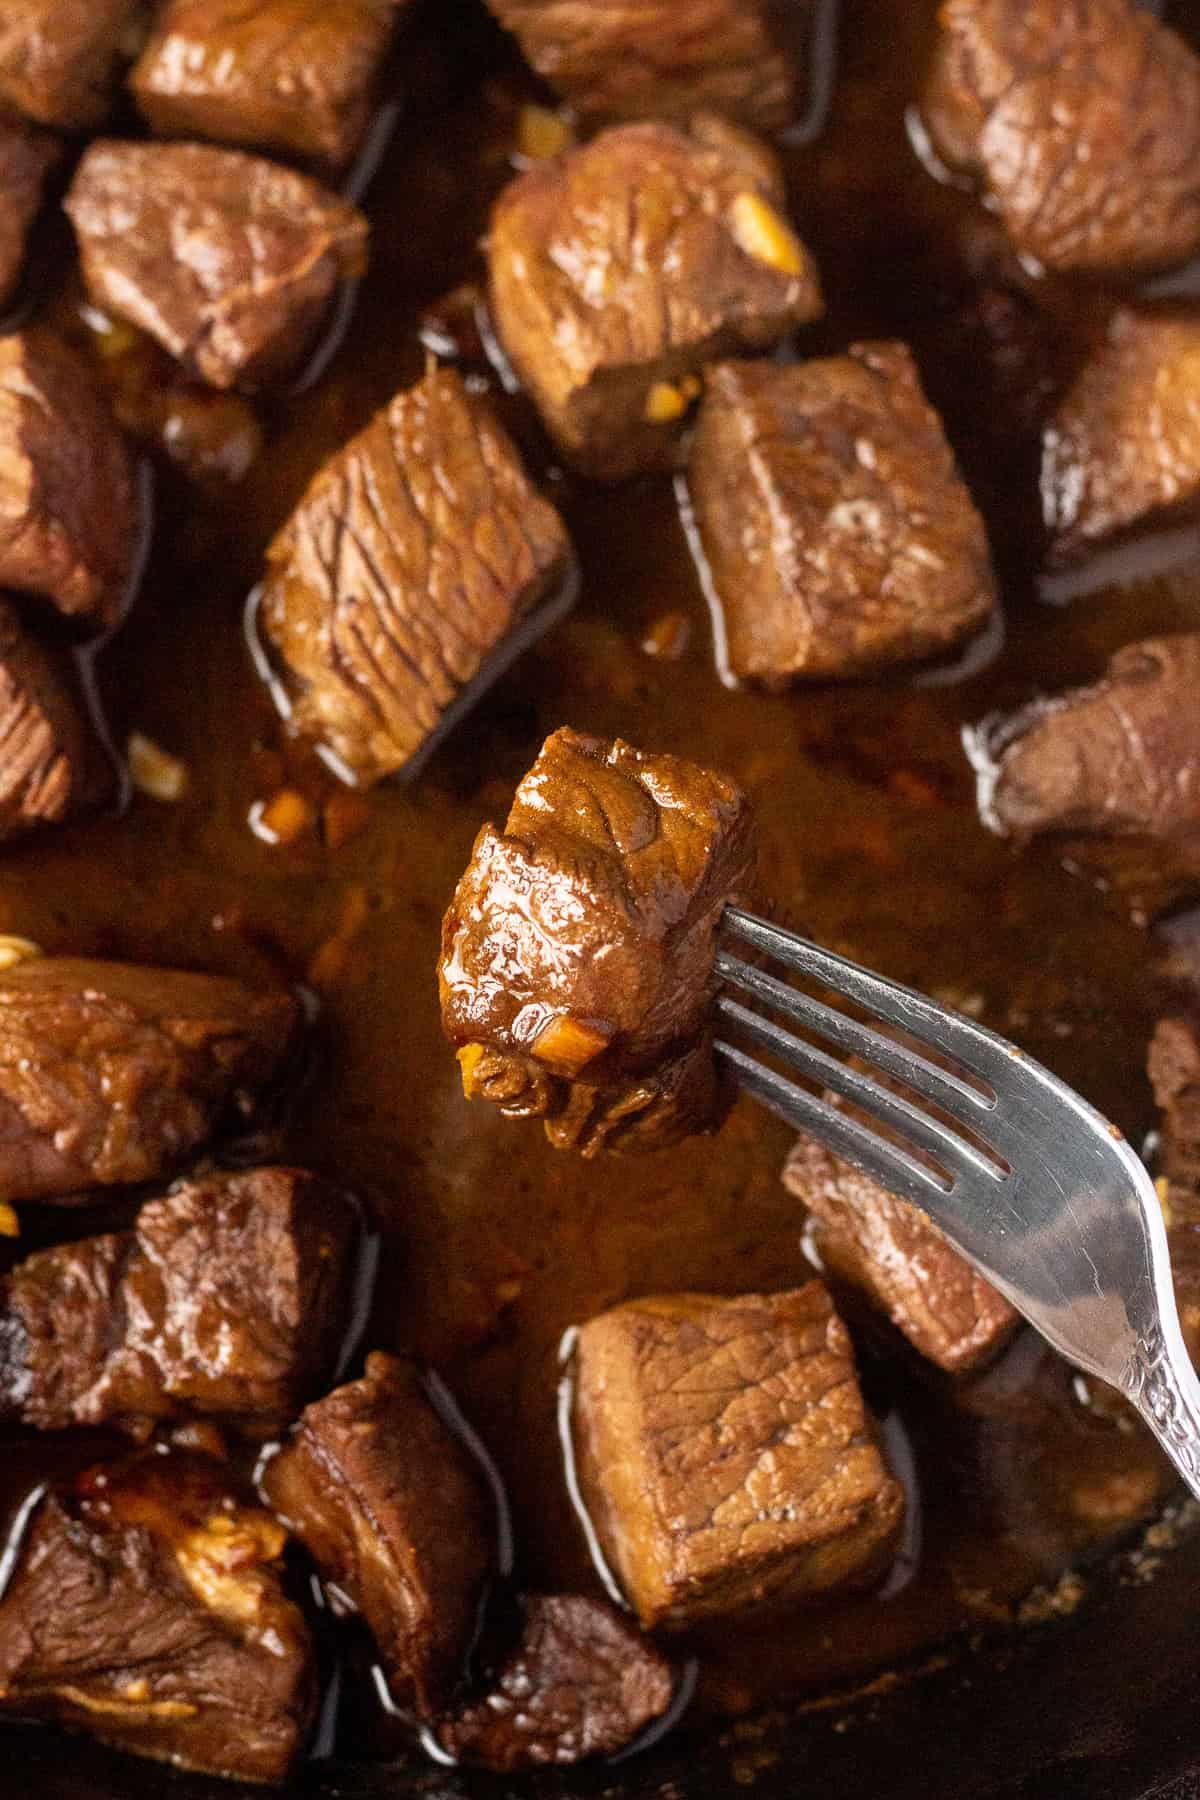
(724, 1454)
(630, 59)
(68, 512)
(60, 59)
(281, 75)
(580, 1681)
(113, 1073)
(229, 260)
(51, 764)
(26, 158)
(838, 533)
(618, 270)
(1081, 124)
(1123, 444)
(901, 1261)
(146, 1607)
(417, 549)
(227, 1297)
(1121, 756)
(577, 959)
(394, 1513)
(1173, 1064)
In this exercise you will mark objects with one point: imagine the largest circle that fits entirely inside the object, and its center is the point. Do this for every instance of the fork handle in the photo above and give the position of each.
(1168, 1398)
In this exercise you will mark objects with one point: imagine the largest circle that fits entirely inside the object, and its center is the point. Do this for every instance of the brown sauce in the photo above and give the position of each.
(493, 1245)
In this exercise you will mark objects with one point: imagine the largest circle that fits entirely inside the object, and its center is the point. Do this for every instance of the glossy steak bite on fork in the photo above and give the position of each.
(662, 59)
(724, 1453)
(618, 270)
(146, 1607)
(111, 1072)
(577, 955)
(579, 1681)
(417, 550)
(1119, 757)
(228, 1297)
(395, 1515)
(282, 75)
(68, 513)
(838, 534)
(1081, 124)
(229, 260)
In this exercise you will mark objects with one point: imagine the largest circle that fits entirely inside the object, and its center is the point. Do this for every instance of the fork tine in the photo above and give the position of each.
(979, 1050)
(942, 1085)
(883, 1161)
(916, 1125)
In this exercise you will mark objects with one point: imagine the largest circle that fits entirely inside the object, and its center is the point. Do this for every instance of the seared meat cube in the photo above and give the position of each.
(26, 158)
(580, 1681)
(618, 270)
(51, 764)
(1081, 123)
(724, 1454)
(416, 550)
(394, 1513)
(68, 515)
(1120, 756)
(837, 530)
(229, 260)
(1124, 443)
(146, 1607)
(1173, 1064)
(629, 59)
(895, 1253)
(227, 1297)
(113, 1073)
(577, 954)
(60, 59)
(279, 75)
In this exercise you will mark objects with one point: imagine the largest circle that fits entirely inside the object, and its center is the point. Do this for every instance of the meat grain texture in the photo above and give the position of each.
(577, 954)
(618, 270)
(60, 60)
(51, 765)
(839, 535)
(281, 75)
(1082, 125)
(1119, 757)
(413, 554)
(227, 1298)
(111, 1072)
(725, 1456)
(228, 260)
(636, 59)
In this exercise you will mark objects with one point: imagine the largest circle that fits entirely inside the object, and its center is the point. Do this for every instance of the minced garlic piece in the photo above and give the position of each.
(15, 950)
(569, 1045)
(10, 1225)
(155, 771)
(763, 234)
(469, 1059)
(542, 133)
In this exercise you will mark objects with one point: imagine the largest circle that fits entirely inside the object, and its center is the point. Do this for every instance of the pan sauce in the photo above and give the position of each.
(494, 1245)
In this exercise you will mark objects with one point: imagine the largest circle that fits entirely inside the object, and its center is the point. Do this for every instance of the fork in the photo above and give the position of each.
(1042, 1194)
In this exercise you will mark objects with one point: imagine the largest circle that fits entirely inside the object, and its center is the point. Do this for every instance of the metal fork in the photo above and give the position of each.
(1049, 1201)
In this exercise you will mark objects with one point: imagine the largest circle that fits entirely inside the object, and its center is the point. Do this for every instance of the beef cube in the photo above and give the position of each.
(113, 1073)
(51, 764)
(618, 270)
(60, 59)
(26, 158)
(416, 551)
(146, 1607)
(1123, 446)
(394, 1513)
(229, 260)
(580, 1681)
(629, 59)
(68, 512)
(1173, 1064)
(281, 75)
(724, 1453)
(898, 1257)
(577, 954)
(227, 1297)
(1082, 125)
(1121, 756)
(838, 533)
